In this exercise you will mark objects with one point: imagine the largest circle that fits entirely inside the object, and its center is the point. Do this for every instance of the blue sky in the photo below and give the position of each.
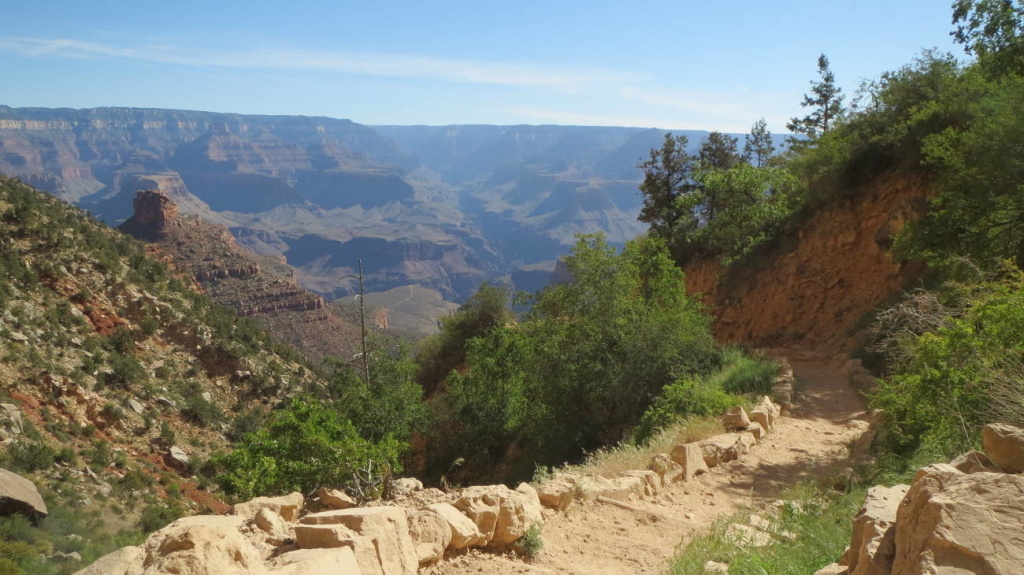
(679, 64)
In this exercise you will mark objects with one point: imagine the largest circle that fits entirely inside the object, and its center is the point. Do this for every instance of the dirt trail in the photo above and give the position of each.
(597, 538)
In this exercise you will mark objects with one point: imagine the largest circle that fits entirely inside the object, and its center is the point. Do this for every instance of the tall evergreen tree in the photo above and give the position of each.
(758, 146)
(719, 151)
(668, 187)
(825, 101)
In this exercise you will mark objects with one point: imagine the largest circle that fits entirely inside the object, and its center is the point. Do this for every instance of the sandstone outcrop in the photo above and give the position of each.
(19, 495)
(954, 518)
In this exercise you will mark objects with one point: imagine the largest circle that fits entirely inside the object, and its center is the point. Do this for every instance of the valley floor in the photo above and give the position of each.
(595, 538)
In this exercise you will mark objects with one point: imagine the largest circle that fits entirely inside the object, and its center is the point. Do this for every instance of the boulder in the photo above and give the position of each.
(652, 481)
(464, 532)
(756, 429)
(975, 462)
(323, 536)
(669, 470)
(405, 486)
(124, 561)
(833, 569)
(1005, 445)
(10, 419)
(873, 544)
(558, 492)
(202, 545)
(951, 522)
(19, 495)
(335, 498)
(690, 457)
(501, 514)
(277, 531)
(341, 561)
(430, 534)
(726, 447)
(387, 527)
(136, 406)
(762, 416)
(735, 418)
(619, 488)
(287, 506)
(177, 459)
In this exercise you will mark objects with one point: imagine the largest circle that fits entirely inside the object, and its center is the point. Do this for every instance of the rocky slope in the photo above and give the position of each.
(253, 286)
(117, 378)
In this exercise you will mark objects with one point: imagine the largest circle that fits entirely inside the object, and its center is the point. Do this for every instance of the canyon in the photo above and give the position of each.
(444, 208)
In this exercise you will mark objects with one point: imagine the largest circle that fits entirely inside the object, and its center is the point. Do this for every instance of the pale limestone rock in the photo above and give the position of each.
(277, 530)
(201, 545)
(691, 458)
(322, 536)
(465, 533)
(124, 561)
(669, 470)
(341, 561)
(178, 459)
(388, 527)
(975, 462)
(431, 535)
(1005, 445)
(747, 536)
(287, 506)
(955, 523)
(756, 430)
(652, 481)
(711, 567)
(833, 569)
(873, 544)
(19, 495)
(761, 416)
(726, 447)
(619, 489)
(735, 418)
(405, 486)
(501, 514)
(335, 498)
(558, 492)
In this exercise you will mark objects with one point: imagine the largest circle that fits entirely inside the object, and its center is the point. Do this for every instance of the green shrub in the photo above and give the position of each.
(690, 396)
(154, 517)
(956, 372)
(531, 543)
(305, 446)
(31, 456)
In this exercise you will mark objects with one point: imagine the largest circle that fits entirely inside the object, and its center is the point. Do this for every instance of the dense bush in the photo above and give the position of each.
(580, 368)
(961, 369)
(302, 447)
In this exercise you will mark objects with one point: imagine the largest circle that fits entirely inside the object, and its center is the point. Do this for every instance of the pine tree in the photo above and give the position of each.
(826, 102)
(719, 151)
(758, 146)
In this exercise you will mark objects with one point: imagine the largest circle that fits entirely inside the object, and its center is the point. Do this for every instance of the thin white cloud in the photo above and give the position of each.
(541, 115)
(565, 78)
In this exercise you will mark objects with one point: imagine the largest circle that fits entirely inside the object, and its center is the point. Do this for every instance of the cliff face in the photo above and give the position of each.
(234, 277)
(813, 291)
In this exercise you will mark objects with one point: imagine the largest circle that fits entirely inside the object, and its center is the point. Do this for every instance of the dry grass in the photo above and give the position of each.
(611, 461)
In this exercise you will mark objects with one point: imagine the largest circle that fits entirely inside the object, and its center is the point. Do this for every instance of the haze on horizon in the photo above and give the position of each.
(671, 65)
